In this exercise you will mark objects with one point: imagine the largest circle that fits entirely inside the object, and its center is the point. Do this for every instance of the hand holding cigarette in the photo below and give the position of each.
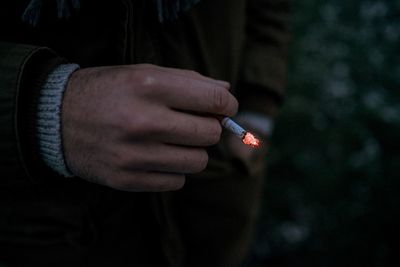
(137, 127)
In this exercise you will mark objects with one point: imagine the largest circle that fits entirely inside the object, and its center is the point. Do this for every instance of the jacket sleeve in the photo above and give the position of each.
(23, 68)
(263, 68)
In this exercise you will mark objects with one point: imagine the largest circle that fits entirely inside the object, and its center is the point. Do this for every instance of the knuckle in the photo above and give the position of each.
(168, 127)
(124, 122)
(193, 73)
(146, 79)
(126, 160)
(219, 100)
(142, 79)
(200, 161)
(235, 107)
(158, 128)
(140, 125)
(187, 73)
(214, 134)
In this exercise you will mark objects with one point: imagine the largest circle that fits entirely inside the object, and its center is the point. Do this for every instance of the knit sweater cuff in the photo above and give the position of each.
(49, 118)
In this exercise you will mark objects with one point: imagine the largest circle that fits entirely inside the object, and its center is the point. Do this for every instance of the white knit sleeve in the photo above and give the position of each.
(49, 118)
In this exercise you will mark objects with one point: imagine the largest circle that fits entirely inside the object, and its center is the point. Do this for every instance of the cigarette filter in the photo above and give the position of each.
(233, 127)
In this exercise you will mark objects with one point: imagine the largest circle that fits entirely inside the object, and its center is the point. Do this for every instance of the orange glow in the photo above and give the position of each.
(250, 140)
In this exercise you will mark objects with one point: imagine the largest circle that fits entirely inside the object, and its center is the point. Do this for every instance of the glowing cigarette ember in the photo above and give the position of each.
(250, 140)
(247, 138)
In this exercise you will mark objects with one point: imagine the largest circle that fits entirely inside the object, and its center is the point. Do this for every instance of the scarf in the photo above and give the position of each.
(167, 9)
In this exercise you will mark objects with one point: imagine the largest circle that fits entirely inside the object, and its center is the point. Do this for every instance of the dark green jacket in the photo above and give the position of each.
(243, 42)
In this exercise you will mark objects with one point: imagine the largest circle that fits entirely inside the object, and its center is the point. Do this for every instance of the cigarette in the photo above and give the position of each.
(233, 127)
(246, 137)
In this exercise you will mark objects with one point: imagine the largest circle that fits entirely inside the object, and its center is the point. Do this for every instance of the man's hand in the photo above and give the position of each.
(141, 127)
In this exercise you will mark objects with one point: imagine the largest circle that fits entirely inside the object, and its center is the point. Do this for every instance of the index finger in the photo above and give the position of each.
(199, 96)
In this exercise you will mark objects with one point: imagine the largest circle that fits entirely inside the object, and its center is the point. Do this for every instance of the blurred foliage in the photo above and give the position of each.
(332, 195)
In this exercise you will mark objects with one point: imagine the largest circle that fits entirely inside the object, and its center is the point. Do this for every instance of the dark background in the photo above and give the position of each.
(332, 189)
